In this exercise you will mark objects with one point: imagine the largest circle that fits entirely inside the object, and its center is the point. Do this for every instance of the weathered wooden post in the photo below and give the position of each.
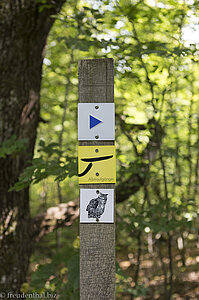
(96, 162)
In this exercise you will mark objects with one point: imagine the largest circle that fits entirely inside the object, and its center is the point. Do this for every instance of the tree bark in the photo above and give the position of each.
(24, 27)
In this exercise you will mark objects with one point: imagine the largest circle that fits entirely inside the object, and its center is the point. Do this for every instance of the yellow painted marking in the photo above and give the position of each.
(96, 164)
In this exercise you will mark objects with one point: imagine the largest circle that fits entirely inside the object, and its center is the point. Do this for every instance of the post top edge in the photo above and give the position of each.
(95, 59)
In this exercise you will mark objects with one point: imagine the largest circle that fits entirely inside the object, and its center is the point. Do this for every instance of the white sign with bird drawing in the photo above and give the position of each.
(96, 205)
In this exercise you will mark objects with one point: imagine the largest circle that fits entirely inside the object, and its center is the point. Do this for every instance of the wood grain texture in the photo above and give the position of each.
(97, 241)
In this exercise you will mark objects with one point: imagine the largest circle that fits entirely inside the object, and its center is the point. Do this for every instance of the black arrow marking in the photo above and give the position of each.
(96, 158)
(86, 170)
(92, 159)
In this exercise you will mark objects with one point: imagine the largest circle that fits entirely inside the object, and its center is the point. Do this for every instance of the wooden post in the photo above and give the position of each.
(97, 240)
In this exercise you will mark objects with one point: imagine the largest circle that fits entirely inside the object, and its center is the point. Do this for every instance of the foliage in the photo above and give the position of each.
(50, 163)
(12, 146)
(123, 284)
(60, 275)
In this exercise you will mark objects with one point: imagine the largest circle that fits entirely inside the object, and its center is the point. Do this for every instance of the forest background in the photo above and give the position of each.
(155, 50)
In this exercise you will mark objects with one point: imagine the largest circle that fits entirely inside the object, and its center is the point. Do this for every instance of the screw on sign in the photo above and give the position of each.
(97, 177)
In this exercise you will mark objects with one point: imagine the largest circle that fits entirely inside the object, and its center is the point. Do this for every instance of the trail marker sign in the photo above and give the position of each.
(96, 164)
(96, 121)
(96, 205)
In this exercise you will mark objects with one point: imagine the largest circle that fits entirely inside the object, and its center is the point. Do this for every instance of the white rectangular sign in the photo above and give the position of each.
(96, 205)
(96, 121)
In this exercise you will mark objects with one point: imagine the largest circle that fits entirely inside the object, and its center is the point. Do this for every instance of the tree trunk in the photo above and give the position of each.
(24, 27)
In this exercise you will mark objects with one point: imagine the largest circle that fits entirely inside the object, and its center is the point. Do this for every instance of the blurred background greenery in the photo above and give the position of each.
(155, 50)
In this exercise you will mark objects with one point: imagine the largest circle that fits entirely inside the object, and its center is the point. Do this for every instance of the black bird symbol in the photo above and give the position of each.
(96, 206)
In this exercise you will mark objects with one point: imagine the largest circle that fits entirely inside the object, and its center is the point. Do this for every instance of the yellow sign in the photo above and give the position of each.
(96, 164)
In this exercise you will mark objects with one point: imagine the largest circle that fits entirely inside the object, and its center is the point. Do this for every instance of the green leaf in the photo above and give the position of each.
(12, 146)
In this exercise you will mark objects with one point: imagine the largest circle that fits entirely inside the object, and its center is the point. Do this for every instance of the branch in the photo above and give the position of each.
(136, 180)
(55, 217)
(129, 187)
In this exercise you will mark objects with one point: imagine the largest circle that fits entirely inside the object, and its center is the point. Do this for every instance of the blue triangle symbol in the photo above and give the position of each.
(94, 121)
